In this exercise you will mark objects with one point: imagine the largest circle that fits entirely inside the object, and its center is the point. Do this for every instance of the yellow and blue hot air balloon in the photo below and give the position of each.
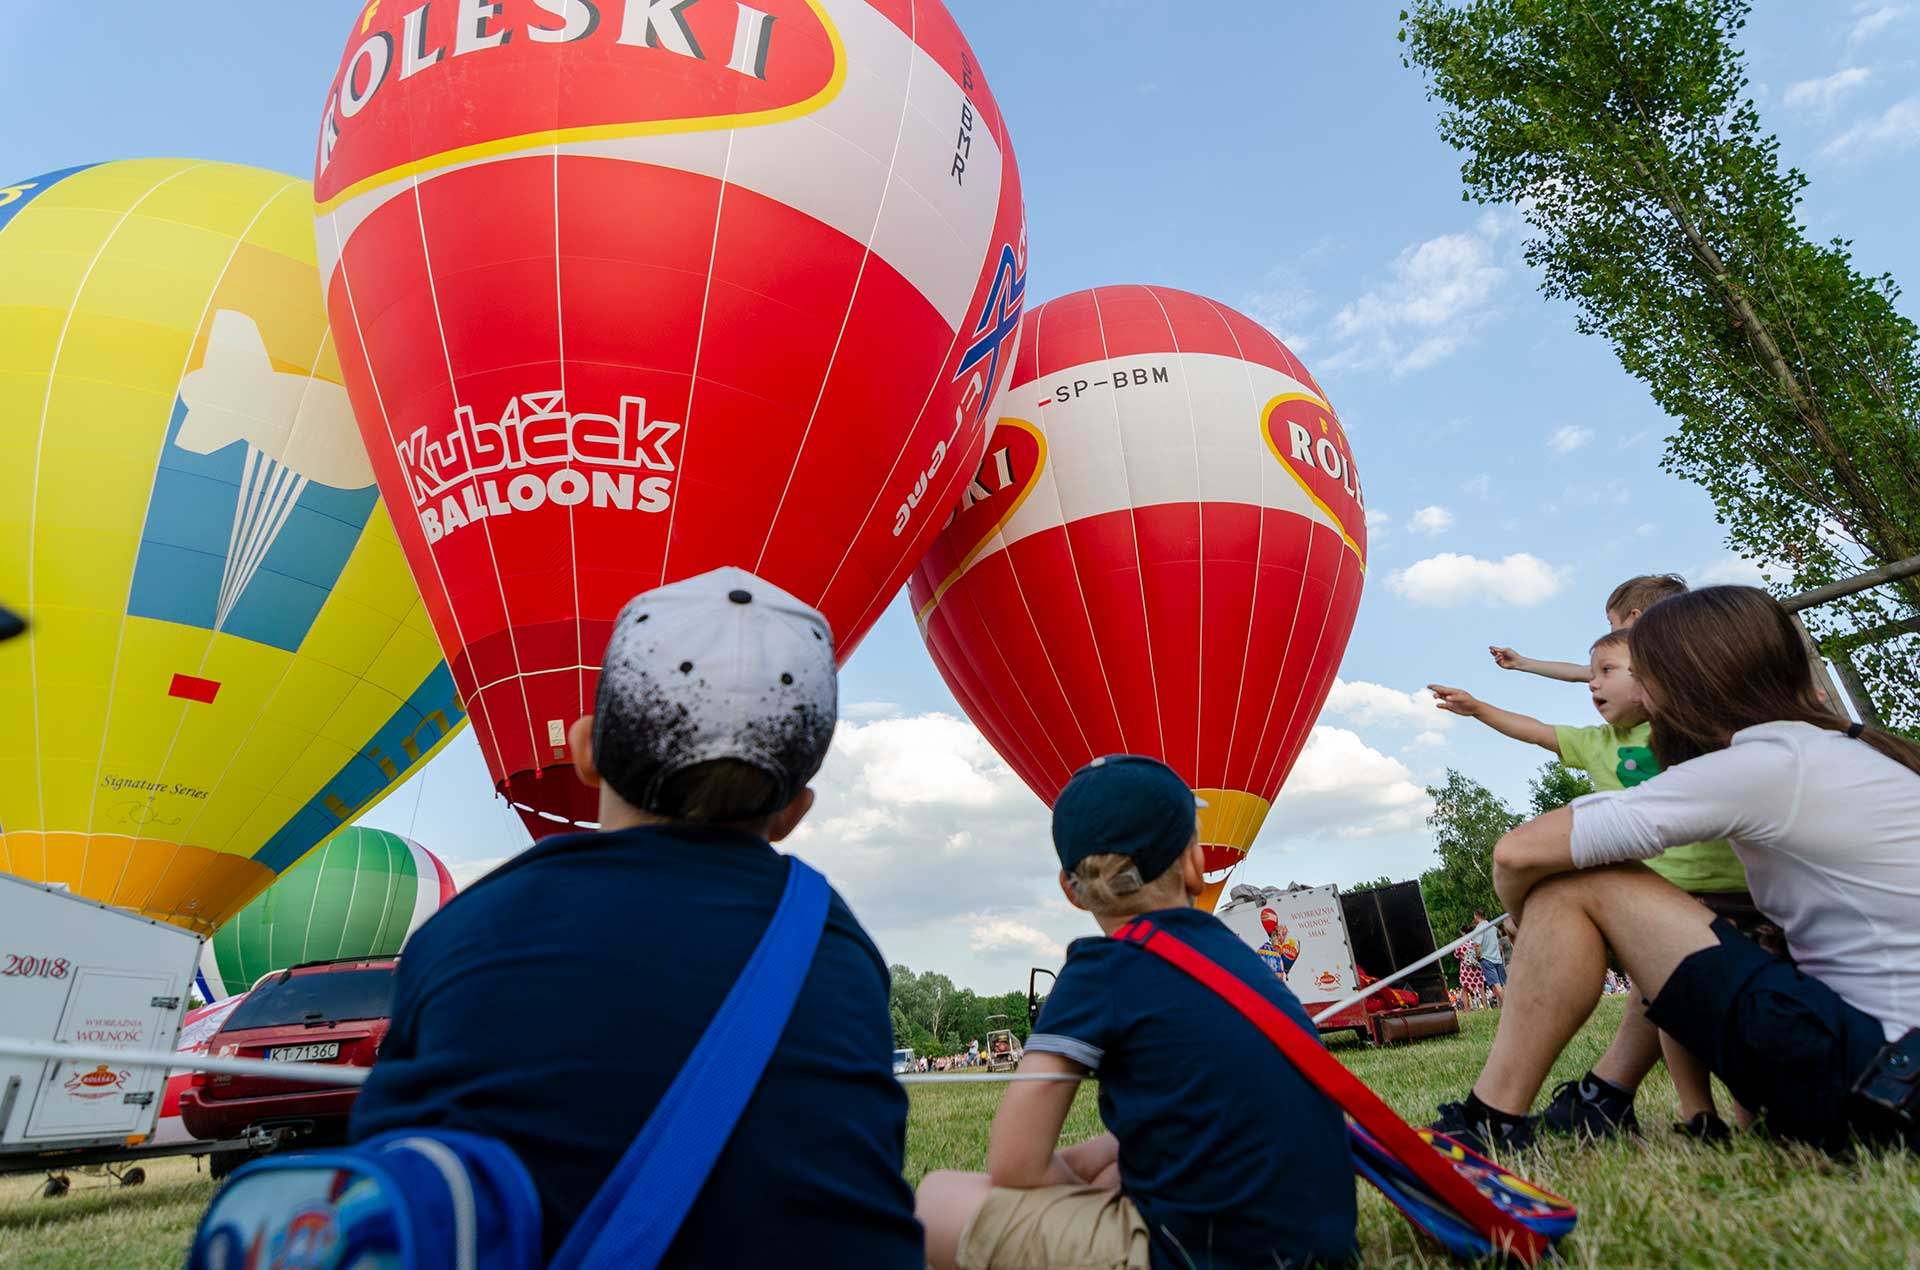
(226, 658)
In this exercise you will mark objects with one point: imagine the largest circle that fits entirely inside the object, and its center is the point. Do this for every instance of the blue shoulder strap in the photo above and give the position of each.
(633, 1219)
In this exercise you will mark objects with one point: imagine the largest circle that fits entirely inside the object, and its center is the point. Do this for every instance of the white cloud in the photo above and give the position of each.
(1479, 486)
(1450, 579)
(1427, 741)
(864, 711)
(1731, 571)
(1873, 20)
(1343, 788)
(1589, 493)
(1283, 307)
(1378, 523)
(1371, 705)
(1570, 438)
(1437, 293)
(1646, 529)
(929, 836)
(1431, 521)
(931, 758)
(1821, 94)
(466, 872)
(963, 879)
(1896, 129)
(1003, 934)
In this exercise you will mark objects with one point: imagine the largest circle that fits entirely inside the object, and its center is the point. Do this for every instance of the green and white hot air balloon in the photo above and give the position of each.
(360, 895)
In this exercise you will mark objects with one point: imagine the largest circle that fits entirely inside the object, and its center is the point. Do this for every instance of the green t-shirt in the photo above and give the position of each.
(1620, 758)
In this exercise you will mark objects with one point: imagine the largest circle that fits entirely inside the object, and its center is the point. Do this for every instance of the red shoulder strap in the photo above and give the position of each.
(1327, 1074)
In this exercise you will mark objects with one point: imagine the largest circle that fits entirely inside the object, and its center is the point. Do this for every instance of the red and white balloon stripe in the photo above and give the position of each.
(1162, 552)
(622, 300)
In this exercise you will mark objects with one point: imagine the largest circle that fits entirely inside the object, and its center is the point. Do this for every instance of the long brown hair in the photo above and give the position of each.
(1723, 658)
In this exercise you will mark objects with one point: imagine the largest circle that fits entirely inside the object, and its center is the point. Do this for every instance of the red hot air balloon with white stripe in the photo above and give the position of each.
(1161, 553)
(628, 290)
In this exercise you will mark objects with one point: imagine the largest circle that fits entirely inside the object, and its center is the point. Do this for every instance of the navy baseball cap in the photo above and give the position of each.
(1125, 804)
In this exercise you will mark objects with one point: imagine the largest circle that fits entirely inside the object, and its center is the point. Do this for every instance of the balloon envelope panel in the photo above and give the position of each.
(1161, 553)
(628, 292)
(360, 895)
(227, 657)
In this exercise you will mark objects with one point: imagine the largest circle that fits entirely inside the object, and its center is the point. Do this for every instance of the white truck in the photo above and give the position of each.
(1327, 946)
(78, 973)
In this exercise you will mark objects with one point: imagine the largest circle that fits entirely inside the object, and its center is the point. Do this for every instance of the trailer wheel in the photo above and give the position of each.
(133, 1176)
(58, 1184)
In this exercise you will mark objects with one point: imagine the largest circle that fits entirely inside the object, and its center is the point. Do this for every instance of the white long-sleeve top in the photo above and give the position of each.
(1829, 831)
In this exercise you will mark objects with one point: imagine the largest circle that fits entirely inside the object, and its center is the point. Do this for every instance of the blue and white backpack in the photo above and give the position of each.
(437, 1199)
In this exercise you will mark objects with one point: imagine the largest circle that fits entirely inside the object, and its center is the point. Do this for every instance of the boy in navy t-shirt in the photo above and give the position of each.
(553, 1002)
(1219, 1154)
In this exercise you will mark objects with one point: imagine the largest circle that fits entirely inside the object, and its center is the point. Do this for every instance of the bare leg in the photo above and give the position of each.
(1095, 1159)
(1570, 920)
(945, 1203)
(1690, 1079)
(1635, 1048)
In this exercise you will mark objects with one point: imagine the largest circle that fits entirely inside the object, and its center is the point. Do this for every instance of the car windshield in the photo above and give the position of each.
(903, 1056)
(327, 997)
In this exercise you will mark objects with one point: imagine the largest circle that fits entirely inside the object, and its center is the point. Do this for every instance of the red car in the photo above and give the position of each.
(319, 1012)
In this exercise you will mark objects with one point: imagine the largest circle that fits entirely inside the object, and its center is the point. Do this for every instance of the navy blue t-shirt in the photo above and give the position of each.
(552, 1003)
(1232, 1158)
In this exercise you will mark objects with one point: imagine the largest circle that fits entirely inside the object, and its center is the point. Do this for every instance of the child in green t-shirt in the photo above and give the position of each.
(1618, 754)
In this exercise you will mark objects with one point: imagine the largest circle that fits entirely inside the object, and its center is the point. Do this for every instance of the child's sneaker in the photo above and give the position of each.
(1481, 1127)
(1590, 1107)
(1706, 1127)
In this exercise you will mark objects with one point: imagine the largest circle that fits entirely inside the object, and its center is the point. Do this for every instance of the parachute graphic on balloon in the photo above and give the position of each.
(296, 428)
(360, 895)
(227, 658)
(624, 294)
(1161, 552)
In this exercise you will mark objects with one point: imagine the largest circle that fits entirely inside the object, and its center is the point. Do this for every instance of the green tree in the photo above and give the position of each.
(934, 1017)
(1556, 786)
(1376, 884)
(1467, 819)
(1624, 131)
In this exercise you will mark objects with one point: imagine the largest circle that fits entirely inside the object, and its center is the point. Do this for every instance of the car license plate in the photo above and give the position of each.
(304, 1053)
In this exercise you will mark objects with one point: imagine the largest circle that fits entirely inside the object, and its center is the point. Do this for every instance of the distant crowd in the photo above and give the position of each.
(966, 1059)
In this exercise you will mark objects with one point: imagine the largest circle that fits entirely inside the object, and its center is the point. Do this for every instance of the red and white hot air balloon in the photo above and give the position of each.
(1161, 553)
(628, 290)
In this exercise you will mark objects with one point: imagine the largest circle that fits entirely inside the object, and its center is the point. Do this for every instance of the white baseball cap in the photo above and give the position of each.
(720, 666)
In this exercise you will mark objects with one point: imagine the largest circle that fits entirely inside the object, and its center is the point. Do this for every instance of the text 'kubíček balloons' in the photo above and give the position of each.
(227, 657)
(629, 291)
(1161, 553)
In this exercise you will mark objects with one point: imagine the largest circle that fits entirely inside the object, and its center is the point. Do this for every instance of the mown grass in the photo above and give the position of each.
(1651, 1201)
(101, 1223)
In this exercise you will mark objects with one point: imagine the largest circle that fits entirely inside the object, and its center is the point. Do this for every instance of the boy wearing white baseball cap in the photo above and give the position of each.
(551, 1005)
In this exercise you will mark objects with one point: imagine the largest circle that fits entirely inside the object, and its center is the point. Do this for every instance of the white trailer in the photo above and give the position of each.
(74, 972)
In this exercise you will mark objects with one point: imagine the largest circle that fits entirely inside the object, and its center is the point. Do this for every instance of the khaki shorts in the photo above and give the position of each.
(1056, 1227)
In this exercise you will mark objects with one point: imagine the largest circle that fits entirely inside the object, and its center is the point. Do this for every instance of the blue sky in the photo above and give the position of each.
(1276, 157)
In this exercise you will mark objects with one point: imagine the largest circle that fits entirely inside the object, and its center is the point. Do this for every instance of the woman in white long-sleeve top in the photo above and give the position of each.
(1825, 815)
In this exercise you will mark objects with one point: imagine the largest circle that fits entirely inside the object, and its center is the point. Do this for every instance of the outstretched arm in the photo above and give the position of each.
(1520, 727)
(1021, 1152)
(1572, 672)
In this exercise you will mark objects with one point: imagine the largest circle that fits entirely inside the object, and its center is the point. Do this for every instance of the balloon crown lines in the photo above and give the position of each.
(535, 430)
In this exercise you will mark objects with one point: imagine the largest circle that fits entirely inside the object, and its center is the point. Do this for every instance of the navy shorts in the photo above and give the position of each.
(1784, 1042)
(1495, 972)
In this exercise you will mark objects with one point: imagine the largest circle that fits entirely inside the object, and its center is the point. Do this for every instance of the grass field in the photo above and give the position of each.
(1653, 1201)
